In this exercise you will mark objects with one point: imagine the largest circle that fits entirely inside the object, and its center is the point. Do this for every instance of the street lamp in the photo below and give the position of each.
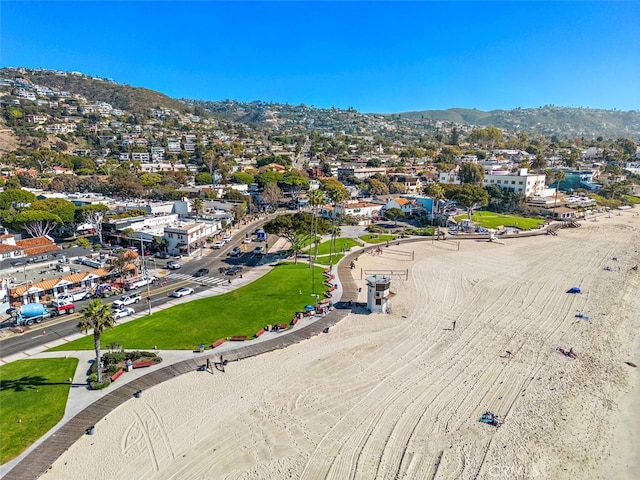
(316, 305)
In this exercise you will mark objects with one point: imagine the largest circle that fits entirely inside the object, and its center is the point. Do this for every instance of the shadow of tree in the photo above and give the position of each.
(25, 383)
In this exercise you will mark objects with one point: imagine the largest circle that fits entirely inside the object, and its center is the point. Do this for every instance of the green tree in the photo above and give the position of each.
(204, 178)
(436, 192)
(295, 229)
(197, 205)
(37, 223)
(376, 187)
(58, 206)
(394, 214)
(316, 199)
(150, 180)
(243, 178)
(98, 317)
(471, 173)
(16, 198)
(468, 196)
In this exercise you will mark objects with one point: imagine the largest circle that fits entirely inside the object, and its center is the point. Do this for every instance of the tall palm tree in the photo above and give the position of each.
(197, 206)
(558, 176)
(338, 196)
(98, 317)
(436, 192)
(316, 198)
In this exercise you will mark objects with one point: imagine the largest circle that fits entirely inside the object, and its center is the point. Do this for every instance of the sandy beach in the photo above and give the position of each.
(399, 395)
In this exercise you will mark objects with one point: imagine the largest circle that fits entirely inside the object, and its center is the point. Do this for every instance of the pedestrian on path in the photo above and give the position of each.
(454, 325)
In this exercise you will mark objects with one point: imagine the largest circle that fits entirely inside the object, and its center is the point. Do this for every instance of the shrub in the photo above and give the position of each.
(112, 358)
(99, 386)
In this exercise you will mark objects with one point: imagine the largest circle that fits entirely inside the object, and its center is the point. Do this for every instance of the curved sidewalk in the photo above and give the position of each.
(37, 462)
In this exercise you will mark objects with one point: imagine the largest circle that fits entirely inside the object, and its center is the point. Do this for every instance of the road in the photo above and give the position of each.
(214, 260)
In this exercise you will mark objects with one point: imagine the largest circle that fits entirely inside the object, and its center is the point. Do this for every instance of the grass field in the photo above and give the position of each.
(329, 259)
(273, 298)
(33, 397)
(377, 238)
(340, 243)
(632, 199)
(494, 220)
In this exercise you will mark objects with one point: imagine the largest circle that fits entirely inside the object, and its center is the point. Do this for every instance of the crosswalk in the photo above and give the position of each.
(213, 281)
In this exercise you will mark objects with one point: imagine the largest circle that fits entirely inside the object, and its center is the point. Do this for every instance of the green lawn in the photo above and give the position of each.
(340, 243)
(377, 238)
(273, 298)
(33, 397)
(494, 220)
(632, 199)
(329, 259)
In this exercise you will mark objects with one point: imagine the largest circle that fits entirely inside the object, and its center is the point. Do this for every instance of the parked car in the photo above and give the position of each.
(218, 244)
(247, 240)
(181, 292)
(201, 273)
(123, 312)
(162, 255)
(236, 252)
(139, 282)
(125, 300)
(226, 238)
(259, 250)
(236, 269)
(173, 265)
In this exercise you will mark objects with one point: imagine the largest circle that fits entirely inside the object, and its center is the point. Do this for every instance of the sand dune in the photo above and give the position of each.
(398, 396)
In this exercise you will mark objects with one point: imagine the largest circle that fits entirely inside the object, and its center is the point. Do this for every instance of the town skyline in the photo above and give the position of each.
(377, 57)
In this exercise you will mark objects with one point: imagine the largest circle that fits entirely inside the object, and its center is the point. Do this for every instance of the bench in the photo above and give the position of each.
(146, 363)
(259, 332)
(238, 338)
(117, 375)
(217, 343)
(294, 321)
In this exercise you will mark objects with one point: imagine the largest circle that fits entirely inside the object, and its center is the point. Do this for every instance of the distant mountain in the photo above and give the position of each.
(125, 97)
(547, 120)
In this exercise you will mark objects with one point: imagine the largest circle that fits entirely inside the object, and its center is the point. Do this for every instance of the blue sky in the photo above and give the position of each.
(373, 56)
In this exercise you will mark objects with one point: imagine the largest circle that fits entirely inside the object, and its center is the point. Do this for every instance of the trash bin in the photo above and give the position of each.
(129, 366)
(201, 347)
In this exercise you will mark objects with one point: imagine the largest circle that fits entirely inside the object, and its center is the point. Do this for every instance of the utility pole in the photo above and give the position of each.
(144, 272)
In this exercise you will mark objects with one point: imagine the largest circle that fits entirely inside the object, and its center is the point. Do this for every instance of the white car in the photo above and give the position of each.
(259, 250)
(181, 292)
(123, 312)
(219, 244)
(247, 240)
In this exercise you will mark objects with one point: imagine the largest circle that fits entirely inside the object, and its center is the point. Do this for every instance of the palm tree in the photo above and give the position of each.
(436, 192)
(316, 198)
(558, 176)
(337, 196)
(98, 317)
(197, 206)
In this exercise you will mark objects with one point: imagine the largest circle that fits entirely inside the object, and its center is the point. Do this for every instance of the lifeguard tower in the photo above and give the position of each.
(378, 294)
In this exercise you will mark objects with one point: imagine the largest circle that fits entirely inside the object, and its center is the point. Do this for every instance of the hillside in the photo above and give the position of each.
(547, 120)
(132, 99)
